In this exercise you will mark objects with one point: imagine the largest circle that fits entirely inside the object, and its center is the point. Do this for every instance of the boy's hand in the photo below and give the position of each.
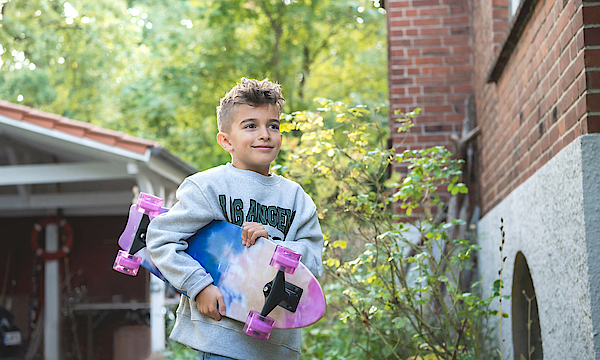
(207, 301)
(252, 231)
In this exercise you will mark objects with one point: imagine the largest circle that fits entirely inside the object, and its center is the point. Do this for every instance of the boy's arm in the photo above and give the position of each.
(167, 234)
(308, 241)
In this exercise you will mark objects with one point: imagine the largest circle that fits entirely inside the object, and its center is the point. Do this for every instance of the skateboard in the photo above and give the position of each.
(265, 286)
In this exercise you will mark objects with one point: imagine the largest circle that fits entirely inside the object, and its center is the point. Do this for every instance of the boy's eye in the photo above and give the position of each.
(249, 126)
(274, 126)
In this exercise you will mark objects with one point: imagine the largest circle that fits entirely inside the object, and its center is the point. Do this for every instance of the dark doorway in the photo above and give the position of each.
(527, 336)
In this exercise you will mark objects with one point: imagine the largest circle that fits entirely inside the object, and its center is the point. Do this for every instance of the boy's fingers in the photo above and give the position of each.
(215, 315)
(221, 303)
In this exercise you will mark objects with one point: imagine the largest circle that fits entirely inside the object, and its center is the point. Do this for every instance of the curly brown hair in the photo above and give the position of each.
(251, 92)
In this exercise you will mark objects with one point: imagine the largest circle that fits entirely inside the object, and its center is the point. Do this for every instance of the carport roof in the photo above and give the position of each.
(87, 131)
(91, 163)
(74, 127)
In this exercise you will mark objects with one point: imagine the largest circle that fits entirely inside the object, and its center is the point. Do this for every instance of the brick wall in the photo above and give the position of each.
(430, 66)
(544, 98)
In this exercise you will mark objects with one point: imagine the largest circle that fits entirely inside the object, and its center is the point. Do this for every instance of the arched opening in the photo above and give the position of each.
(527, 335)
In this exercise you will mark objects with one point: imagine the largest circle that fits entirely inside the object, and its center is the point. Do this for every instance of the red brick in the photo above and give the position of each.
(454, 117)
(437, 70)
(436, 109)
(462, 88)
(458, 30)
(399, 23)
(436, 51)
(430, 80)
(430, 99)
(592, 78)
(592, 57)
(500, 13)
(428, 60)
(500, 25)
(432, 138)
(553, 134)
(591, 36)
(457, 69)
(420, 3)
(426, 22)
(570, 118)
(455, 59)
(435, 31)
(437, 89)
(593, 124)
(455, 10)
(454, 20)
(462, 50)
(591, 14)
(459, 78)
(427, 41)
(438, 128)
(434, 11)
(593, 102)
(569, 137)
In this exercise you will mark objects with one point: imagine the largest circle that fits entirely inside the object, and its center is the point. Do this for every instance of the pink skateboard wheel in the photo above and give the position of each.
(258, 326)
(149, 204)
(285, 260)
(127, 263)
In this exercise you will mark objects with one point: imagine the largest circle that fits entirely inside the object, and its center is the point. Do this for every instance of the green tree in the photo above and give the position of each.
(64, 57)
(157, 69)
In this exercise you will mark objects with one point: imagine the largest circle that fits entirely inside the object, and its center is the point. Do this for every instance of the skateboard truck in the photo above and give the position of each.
(126, 262)
(277, 292)
(282, 293)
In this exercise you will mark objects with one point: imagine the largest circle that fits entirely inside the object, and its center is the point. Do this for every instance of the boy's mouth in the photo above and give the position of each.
(262, 147)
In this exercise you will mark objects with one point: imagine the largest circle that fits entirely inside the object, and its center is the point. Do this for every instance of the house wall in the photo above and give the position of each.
(553, 218)
(538, 150)
(544, 99)
(430, 67)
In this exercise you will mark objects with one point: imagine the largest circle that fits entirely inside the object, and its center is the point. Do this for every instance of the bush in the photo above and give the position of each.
(393, 279)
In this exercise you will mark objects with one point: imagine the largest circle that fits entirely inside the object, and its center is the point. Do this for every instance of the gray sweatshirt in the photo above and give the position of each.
(237, 196)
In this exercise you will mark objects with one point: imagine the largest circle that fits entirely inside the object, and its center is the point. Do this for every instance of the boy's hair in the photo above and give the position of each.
(251, 92)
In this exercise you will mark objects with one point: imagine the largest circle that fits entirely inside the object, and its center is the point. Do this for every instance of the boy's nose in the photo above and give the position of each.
(264, 134)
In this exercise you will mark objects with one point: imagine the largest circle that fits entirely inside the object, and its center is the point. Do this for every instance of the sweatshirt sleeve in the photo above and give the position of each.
(308, 238)
(167, 235)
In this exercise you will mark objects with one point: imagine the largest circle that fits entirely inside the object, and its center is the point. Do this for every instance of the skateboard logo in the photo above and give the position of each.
(274, 216)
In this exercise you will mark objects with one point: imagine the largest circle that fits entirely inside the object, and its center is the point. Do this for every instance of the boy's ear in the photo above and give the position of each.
(223, 140)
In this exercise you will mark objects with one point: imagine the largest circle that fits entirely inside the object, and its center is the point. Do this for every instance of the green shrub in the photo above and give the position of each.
(393, 278)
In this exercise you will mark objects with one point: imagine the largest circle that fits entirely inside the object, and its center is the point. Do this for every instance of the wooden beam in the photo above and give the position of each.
(62, 173)
(13, 160)
(67, 200)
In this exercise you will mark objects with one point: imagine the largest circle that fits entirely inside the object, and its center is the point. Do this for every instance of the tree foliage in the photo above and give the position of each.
(157, 69)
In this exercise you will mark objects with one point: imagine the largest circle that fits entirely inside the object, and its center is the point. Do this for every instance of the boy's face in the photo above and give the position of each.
(253, 139)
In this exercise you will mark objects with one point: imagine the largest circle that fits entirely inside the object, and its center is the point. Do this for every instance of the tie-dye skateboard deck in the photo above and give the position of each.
(244, 275)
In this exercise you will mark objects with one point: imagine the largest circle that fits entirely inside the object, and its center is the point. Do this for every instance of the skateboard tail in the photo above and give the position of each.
(312, 307)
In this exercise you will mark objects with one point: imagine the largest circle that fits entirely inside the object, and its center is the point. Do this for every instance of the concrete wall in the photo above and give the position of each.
(553, 218)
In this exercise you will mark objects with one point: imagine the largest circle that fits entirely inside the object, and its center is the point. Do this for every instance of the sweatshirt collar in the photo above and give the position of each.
(272, 179)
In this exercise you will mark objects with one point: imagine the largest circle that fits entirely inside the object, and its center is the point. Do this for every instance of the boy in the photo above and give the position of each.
(245, 193)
